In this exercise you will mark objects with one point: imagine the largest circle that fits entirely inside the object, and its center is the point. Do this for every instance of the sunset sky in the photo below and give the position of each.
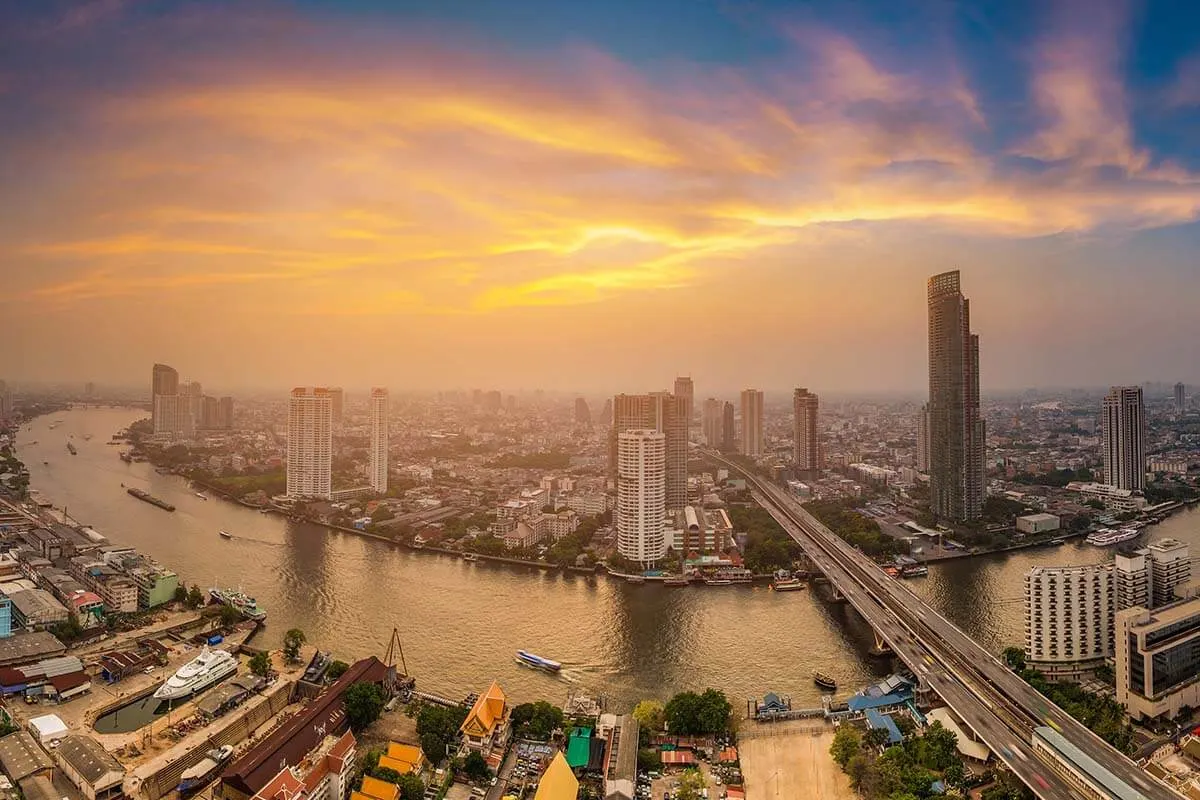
(596, 195)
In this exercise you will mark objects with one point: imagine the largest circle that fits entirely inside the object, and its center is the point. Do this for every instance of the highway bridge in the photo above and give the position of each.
(1056, 756)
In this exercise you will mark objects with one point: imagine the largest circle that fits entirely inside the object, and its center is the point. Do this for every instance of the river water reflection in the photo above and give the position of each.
(461, 623)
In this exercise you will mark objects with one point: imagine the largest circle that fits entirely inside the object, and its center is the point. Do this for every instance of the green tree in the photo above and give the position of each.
(437, 726)
(940, 747)
(181, 594)
(649, 759)
(955, 774)
(650, 715)
(260, 664)
(382, 514)
(229, 616)
(475, 767)
(336, 670)
(691, 784)
(293, 640)
(411, 787)
(875, 737)
(847, 743)
(195, 598)
(1014, 657)
(364, 703)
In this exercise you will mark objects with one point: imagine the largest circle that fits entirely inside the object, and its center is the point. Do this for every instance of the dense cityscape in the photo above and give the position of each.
(656, 491)
(638, 400)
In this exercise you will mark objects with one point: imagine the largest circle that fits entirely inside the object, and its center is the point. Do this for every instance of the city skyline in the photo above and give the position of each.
(753, 165)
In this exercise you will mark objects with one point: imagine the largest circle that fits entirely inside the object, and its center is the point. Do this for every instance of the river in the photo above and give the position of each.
(461, 623)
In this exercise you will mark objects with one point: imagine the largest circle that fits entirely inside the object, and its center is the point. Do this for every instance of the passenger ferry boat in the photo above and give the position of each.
(1107, 536)
(537, 662)
(199, 673)
(197, 776)
(787, 585)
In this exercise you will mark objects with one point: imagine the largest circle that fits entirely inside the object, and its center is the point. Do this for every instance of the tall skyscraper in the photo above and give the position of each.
(6, 401)
(378, 468)
(923, 439)
(310, 443)
(662, 412)
(956, 429)
(1124, 417)
(686, 390)
(1180, 399)
(641, 495)
(752, 422)
(225, 413)
(210, 413)
(164, 380)
(173, 417)
(806, 451)
(728, 429)
(337, 399)
(712, 418)
(583, 414)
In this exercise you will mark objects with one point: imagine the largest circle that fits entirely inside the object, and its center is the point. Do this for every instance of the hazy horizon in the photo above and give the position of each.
(596, 198)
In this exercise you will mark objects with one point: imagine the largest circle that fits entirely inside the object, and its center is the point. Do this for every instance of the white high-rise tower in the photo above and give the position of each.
(1124, 437)
(378, 470)
(641, 495)
(310, 443)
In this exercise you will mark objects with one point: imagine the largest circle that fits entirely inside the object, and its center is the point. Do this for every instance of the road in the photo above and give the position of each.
(998, 705)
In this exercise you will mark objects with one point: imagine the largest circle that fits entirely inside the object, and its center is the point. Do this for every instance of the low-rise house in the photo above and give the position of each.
(96, 773)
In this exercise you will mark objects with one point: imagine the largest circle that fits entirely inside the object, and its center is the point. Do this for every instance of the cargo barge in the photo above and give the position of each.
(151, 499)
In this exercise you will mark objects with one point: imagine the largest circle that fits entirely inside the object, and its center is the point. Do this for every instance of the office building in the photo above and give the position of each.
(1170, 568)
(662, 412)
(337, 400)
(956, 429)
(310, 443)
(164, 380)
(712, 418)
(806, 448)
(686, 391)
(641, 495)
(1124, 419)
(728, 429)
(1068, 619)
(378, 467)
(1180, 399)
(923, 439)
(583, 414)
(173, 416)
(752, 422)
(225, 413)
(1157, 655)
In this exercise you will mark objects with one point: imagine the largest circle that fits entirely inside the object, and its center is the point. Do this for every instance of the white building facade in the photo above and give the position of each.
(641, 495)
(377, 469)
(310, 443)
(1068, 618)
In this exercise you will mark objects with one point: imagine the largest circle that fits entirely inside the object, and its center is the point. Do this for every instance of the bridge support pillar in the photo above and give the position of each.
(881, 647)
(838, 597)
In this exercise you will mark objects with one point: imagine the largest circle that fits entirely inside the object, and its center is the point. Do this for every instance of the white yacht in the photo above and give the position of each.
(199, 673)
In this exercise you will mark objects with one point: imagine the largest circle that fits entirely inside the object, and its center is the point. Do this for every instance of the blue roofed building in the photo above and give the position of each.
(895, 690)
(884, 722)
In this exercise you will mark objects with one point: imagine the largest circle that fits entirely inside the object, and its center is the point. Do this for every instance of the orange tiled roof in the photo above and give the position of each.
(380, 790)
(284, 786)
(488, 710)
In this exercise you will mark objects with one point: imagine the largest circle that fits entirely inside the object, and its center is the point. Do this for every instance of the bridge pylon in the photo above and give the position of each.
(881, 647)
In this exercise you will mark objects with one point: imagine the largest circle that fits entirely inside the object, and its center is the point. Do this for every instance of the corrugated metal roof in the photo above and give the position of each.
(1086, 764)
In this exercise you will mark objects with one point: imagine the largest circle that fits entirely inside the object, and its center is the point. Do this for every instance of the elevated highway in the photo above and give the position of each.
(994, 702)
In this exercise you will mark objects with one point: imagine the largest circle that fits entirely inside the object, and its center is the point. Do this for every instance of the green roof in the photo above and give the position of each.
(579, 748)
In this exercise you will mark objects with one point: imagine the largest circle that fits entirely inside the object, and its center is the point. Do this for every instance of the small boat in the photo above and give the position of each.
(717, 582)
(536, 661)
(225, 534)
(264, 511)
(202, 495)
(470, 557)
(46, 463)
(71, 448)
(418, 545)
(635, 579)
(824, 681)
(196, 777)
(677, 581)
(788, 585)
